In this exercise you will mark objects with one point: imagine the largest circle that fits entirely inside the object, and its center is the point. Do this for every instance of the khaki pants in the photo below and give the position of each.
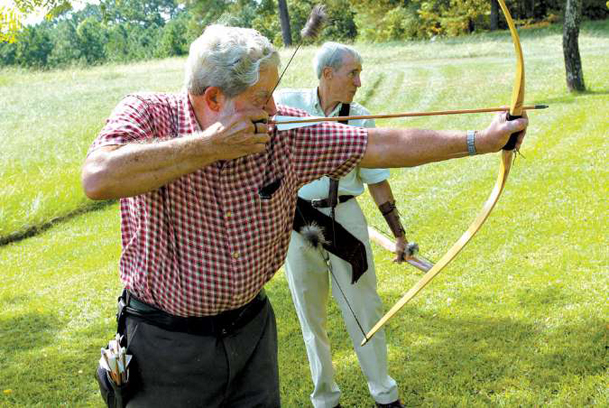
(309, 282)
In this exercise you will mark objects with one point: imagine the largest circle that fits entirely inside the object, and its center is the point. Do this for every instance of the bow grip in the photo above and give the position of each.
(511, 144)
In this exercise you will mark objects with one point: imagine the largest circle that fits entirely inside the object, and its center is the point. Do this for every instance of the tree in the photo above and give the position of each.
(33, 47)
(66, 43)
(10, 23)
(11, 17)
(173, 40)
(140, 12)
(570, 46)
(284, 18)
(91, 40)
(494, 15)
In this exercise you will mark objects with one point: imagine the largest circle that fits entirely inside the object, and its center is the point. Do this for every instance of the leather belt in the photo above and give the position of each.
(221, 324)
(324, 202)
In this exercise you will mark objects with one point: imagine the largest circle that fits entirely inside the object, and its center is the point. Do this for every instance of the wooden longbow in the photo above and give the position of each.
(507, 154)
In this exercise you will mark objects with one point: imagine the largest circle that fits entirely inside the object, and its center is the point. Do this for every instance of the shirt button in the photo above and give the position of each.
(236, 254)
(228, 214)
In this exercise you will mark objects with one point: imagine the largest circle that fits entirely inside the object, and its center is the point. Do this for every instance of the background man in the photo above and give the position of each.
(207, 203)
(338, 69)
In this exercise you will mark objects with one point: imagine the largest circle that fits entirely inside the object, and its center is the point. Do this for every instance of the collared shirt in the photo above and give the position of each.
(207, 242)
(353, 182)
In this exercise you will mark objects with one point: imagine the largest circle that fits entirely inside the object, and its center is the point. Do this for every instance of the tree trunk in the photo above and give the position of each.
(570, 46)
(533, 16)
(284, 19)
(494, 15)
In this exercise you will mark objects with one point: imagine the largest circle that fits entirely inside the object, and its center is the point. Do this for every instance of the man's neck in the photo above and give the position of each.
(198, 106)
(327, 103)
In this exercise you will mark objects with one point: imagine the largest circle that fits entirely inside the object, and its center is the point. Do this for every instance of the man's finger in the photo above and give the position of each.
(260, 138)
(260, 128)
(255, 115)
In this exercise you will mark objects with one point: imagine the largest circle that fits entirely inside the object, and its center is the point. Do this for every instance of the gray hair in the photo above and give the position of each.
(331, 55)
(229, 58)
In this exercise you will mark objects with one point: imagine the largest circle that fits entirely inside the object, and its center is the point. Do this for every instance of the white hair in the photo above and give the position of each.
(331, 55)
(229, 58)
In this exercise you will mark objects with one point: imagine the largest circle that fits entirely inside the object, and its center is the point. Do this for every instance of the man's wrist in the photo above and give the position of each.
(470, 141)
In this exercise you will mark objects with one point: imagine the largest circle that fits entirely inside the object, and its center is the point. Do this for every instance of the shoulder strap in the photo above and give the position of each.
(344, 111)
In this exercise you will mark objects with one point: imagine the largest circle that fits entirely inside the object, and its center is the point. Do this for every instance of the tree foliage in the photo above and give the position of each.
(126, 30)
(112, 30)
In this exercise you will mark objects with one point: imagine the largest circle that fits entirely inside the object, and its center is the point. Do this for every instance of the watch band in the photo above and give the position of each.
(471, 142)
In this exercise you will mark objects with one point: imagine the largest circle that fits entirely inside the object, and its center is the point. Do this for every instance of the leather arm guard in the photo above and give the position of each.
(392, 216)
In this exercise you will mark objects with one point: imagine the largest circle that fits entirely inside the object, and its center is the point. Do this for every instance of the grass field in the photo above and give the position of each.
(519, 318)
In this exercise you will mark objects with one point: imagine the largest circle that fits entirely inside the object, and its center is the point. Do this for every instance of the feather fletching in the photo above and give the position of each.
(315, 23)
(313, 235)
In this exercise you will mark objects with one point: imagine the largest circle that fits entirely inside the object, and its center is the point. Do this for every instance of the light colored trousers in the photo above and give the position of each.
(308, 278)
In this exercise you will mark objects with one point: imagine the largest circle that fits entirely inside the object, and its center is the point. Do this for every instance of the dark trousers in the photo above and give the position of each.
(176, 369)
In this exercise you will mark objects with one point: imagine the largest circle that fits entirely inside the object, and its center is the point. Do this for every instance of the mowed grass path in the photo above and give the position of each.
(519, 318)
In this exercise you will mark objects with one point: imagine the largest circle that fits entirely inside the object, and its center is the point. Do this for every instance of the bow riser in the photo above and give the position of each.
(518, 91)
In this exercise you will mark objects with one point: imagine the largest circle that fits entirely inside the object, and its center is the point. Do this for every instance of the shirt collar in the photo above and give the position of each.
(316, 103)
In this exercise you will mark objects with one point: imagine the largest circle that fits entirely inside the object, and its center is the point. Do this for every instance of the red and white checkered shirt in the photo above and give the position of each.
(207, 242)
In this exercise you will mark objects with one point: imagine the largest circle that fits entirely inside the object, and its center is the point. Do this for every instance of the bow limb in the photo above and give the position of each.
(504, 170)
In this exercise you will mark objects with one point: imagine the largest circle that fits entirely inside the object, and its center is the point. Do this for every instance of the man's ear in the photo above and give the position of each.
(327, 73)
(214, 98)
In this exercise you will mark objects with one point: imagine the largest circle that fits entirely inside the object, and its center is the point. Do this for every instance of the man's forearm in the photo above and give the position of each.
(381, 192)
(383, 197)
(411, 147)
(131, 169)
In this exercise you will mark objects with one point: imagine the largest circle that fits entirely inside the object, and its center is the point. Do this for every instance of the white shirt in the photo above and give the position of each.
(352, 183)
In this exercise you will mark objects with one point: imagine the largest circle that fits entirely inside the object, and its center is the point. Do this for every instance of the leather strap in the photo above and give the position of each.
(346, 246)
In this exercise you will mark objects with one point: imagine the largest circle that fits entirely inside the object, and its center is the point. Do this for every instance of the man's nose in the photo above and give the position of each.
(357, 81)
(270, 107)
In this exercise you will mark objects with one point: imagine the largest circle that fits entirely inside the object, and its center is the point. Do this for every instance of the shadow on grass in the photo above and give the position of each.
(570, 98)
(478, 358)
(444, 361)
(42, 368)
(26, 332)
(13, 300)
(37, 229)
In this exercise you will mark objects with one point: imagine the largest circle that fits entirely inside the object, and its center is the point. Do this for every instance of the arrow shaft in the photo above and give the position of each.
(381, 240)
(407, 114)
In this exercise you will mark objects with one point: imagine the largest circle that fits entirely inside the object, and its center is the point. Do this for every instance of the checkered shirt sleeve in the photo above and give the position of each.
(208, 241)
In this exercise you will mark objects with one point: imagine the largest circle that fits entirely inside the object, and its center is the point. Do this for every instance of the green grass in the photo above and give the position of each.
(48, 122)
(518, 319)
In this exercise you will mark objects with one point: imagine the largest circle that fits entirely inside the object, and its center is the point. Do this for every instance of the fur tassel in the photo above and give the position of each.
(313, 235)
(315, 23)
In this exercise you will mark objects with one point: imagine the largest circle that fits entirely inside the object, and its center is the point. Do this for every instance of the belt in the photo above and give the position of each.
(221, 324)
(325, 202)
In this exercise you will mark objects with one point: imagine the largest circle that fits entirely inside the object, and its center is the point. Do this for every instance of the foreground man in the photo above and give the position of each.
(207, 203)
(338, 69)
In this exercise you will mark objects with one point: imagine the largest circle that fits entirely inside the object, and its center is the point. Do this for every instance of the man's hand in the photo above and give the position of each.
(401, 254)
(238, 134)
(497, 134)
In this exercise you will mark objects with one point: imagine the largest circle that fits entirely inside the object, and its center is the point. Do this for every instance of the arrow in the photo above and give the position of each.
(282, 122)
(416, 260)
